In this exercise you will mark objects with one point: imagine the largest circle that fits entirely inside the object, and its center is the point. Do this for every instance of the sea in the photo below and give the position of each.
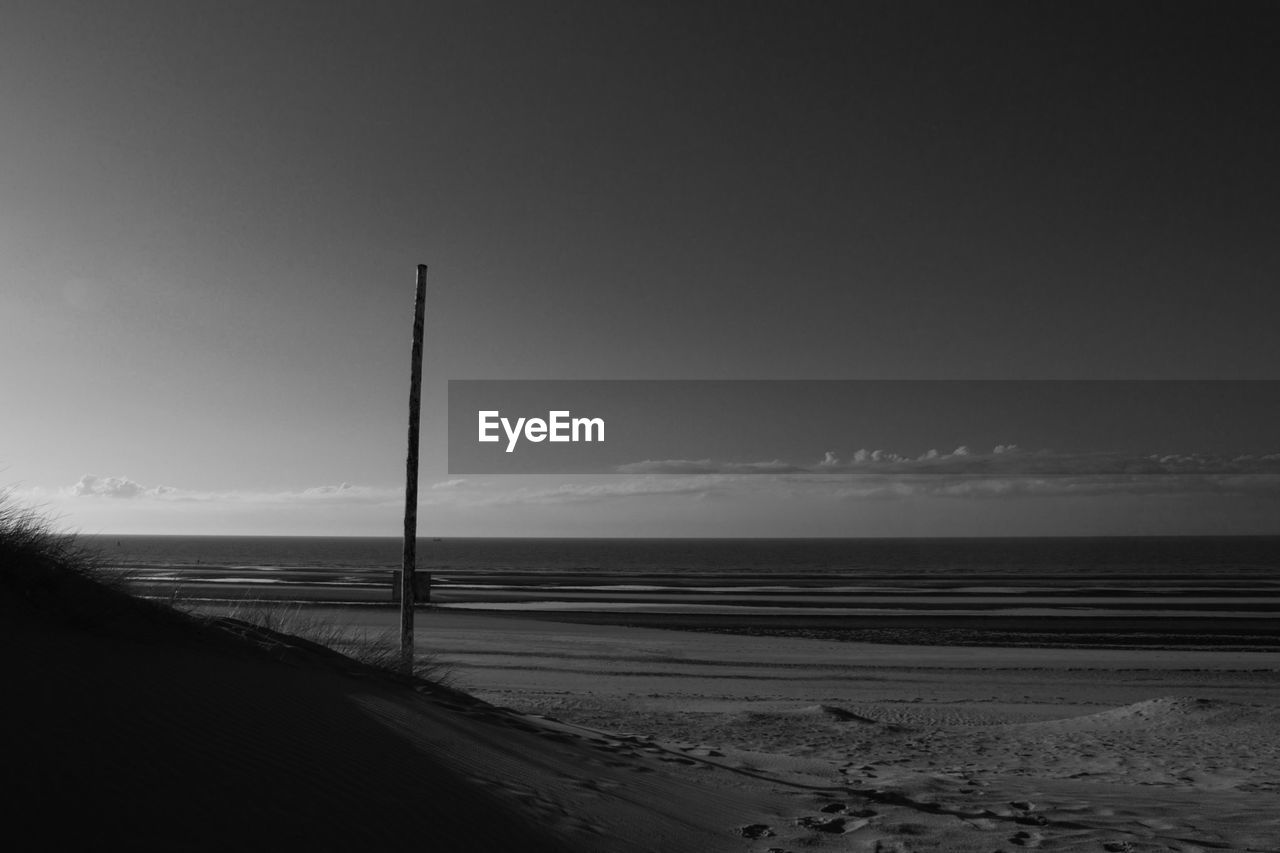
(1207, 587)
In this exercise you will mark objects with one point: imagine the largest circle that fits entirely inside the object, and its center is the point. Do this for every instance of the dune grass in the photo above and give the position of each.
(51, 577)
(380, 649)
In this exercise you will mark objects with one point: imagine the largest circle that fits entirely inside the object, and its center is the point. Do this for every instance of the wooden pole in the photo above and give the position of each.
(409, 563)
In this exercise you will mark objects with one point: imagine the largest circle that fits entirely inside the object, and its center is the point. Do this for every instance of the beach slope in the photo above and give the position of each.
(234, 736)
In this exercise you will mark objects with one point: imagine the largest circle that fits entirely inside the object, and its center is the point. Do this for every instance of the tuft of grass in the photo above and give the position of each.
(35, 561)
(51, 575)
(380, 650)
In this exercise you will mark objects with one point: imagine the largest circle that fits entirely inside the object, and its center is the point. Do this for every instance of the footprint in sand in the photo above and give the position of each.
(756, 830)
(834, 826)
(1025, 839)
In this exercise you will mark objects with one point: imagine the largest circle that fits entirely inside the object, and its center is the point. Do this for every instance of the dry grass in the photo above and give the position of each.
(379, 649)
(51, 575)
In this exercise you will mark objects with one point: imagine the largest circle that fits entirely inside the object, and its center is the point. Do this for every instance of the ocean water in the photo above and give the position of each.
(1248, 556)
(1223, 576)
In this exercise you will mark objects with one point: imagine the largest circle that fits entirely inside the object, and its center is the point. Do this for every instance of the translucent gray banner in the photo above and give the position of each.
(974, 428)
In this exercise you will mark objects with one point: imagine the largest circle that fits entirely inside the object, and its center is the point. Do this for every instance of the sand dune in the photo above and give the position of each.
(161, 742)
(623, 739)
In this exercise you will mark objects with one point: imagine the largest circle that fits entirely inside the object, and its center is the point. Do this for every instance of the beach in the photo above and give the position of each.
(571, 730)
(905, 747)
(659, 703)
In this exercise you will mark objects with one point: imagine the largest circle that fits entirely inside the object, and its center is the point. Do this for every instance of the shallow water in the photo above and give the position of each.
(1235, 580)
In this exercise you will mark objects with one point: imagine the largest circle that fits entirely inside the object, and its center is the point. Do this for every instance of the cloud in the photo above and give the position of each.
(342, 490)
(91, 485)
(342, 493)
(1005, 472)
(1095, 485)
(862, 457)
(450, 484)
(1004, 460)
(454, 492)
(708, 466)
(879, 477)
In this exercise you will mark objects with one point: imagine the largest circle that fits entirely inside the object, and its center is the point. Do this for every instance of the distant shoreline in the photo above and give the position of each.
(1209, 633)
(1215, 634)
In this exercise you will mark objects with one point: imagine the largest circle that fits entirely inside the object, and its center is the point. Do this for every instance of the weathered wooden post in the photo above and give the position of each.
(409, 563)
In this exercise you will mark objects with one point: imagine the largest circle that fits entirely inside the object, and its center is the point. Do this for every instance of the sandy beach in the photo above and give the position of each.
(131, 723)
(939, 714)
(679, 740)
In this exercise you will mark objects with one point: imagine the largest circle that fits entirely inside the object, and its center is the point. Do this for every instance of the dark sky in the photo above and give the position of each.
(210, 212)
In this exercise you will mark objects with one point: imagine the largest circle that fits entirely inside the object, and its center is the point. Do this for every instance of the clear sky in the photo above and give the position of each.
(210, 215)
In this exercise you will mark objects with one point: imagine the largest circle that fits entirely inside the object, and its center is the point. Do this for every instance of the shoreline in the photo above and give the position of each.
(706, 740)
(1084, 632)
(1246, 634)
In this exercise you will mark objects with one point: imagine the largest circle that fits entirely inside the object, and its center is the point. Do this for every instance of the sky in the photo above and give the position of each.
(211, 214)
